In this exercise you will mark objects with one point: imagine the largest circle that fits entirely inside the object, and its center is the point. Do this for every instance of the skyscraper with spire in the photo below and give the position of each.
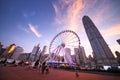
(101, 51)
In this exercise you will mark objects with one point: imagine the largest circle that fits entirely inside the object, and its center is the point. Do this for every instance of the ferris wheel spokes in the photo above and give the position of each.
(62, 45)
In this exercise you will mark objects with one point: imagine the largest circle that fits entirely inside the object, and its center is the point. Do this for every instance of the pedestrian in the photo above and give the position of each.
(43, 67)
(36, 64)
(47, 69)
(5, 62)
(76, 73)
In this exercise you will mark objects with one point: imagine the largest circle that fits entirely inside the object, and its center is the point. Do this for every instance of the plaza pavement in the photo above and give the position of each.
(24, 73)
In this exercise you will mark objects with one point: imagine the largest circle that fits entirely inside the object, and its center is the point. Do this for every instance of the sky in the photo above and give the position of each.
(30, 22)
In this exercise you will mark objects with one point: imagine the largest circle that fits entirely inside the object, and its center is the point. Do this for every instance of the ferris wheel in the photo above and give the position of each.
(63, 44)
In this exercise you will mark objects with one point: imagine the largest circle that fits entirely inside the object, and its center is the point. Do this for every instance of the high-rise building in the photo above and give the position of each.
(67, 56)
(1, 46)
(82, 51)
(90, 62)
(80, 56)
(24, 56)
(118, 57)
(36, 49)
(101, 51)
(17, 52)
(1, 49)
(34, 53)
(77, 56)
(42, 54)
(9, 51)
(117, 54)
(73, 58)
(118, 41)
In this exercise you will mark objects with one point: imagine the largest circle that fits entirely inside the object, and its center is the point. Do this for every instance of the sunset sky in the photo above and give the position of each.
(29, 22)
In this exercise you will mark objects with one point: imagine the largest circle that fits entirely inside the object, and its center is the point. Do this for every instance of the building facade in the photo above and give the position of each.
(101, 51)
(34, 54)
(9, 51)
(118, 41)
(80, 57)
(67, 56)
(17, 52)
(1, 46)
(42, 54)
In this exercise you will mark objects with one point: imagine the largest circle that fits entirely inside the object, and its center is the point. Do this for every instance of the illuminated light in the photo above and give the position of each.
(11, 49)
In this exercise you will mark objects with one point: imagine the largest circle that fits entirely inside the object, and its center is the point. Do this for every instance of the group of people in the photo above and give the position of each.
(43, 67)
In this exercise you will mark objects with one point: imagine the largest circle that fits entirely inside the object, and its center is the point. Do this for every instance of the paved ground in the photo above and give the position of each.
(23, 73)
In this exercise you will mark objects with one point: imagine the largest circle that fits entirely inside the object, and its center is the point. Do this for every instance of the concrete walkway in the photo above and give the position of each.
(23, 73)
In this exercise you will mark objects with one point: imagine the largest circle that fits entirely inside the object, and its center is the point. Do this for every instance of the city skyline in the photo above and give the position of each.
(27, 23)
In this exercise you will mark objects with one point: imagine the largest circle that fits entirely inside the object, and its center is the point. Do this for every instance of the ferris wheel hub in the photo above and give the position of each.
(63, 45)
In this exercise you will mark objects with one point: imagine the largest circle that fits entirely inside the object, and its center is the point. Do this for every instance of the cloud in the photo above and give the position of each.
(68, 13)
(33, 13)
(102, 13)
(33, 29)
(73, 14)
(24, 29)
(30, 14)
(58, 17)
(112, 31)
(25, 15)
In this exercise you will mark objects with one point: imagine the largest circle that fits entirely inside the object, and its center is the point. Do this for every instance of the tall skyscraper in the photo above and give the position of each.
(117, 54)
(80, 56)
(118, 41)
(42, 54)
(1, 46)
(118, 57)
(101, 51)
(1, 49)
(34, 53)
(9, 51)
(67, 56)
(82, 51)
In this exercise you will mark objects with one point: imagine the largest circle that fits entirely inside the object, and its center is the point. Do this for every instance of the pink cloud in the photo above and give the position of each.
(112, 31)
(24, 29)
(70, 16)
(34, 30)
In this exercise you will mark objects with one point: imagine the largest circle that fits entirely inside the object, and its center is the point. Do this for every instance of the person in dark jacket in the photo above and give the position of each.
(43, 67)
(36, 64)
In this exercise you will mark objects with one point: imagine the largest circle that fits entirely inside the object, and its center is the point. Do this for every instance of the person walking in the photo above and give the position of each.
(47, 69)
(76, 72)
(36, 64)
(43, 67)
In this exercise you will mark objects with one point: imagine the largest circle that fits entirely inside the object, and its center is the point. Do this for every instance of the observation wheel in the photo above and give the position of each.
(62, 46)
